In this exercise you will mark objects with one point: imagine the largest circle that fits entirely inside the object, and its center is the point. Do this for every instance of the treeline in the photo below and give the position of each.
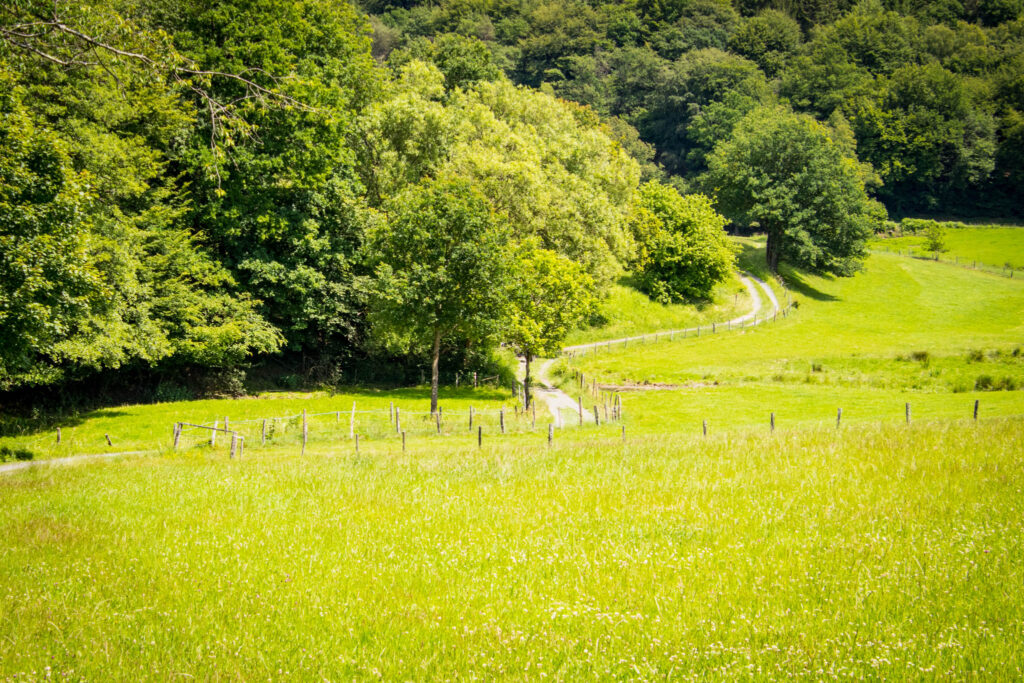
(185, 188)
(932, 92)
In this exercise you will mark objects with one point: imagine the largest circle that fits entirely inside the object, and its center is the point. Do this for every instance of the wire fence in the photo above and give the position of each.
(686, 333)
(394, 423)
(1006, 270)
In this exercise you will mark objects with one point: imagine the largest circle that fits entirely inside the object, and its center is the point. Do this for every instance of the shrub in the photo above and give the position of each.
(682, 248)
(7, 453)
(975, 356)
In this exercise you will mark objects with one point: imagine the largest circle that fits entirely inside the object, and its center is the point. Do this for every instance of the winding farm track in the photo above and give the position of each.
(558, 401)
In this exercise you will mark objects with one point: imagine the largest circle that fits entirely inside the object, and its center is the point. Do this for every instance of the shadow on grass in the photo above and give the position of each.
(15, 454)
(751, 258)
(796, 283)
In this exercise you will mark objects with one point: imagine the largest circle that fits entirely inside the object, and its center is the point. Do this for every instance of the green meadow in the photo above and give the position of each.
(642, 549)
(991, 245)
(901, 322)
(881, 552)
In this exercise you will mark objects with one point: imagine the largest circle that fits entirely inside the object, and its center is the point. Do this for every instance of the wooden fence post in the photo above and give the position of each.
(908, 413)
(398, 420)
(597, 418)
(403, 442)
(623, 432)
(234, 444)
(579, 409)
(213, 434)
(58, 435)
(437, 419)
(107, 437)
(305, 431)
(227, 427)
(772, 418)
(705, 427)
(501, 417)
(479, 437)
(975, 409)
(471, 418)
(839, 417)
(263, 433)
(177, 434)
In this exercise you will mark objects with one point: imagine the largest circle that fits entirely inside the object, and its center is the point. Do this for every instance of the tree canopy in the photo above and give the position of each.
(786, 173)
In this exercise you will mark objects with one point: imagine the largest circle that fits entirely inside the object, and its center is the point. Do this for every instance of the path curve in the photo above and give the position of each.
(558, 401)
(755, 297)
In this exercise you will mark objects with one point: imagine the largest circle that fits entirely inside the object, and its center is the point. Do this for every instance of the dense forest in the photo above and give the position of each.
(191, 191)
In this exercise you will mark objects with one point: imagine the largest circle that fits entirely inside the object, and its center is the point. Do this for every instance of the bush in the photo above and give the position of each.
(7, 453)
(975, 356)
(682, 247)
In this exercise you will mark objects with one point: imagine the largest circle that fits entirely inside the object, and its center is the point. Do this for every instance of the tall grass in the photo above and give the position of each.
(882, 552)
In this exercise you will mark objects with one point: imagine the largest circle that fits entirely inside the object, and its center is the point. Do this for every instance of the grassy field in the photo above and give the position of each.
(899, 320)
(628, 311)
(876, 549)
(144, 427)
(993, 246)
(887, 552)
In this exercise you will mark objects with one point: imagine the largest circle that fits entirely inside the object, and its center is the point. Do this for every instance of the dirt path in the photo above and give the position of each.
(756, 304)
(70, 460)
(564, 410)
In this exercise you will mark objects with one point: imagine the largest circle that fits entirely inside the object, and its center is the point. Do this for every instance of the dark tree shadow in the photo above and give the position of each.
(794, 279)
(751, 258)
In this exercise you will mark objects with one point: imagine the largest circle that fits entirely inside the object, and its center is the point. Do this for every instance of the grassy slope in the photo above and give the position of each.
(886, 553)
(992, 246)
(630, 312)
(897, 306)
(850, 345)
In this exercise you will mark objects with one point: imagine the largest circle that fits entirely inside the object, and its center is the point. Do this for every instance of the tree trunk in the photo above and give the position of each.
(772, 250)
(526, 382)
(434, 374)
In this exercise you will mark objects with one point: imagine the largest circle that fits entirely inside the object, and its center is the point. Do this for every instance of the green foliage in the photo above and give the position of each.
(551, 296)
(935, 238)
(440, 260)
(784, 172)
(97, 268)
(462, 60)
(683, 73)
(682, 248)
(769, 39)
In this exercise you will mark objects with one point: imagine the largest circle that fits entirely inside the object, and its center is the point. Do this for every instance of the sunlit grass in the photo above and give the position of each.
(896, 307)
(885, 552)
(627, 312)
(992, 246)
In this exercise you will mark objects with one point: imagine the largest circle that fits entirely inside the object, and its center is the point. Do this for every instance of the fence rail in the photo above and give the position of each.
(970, 264)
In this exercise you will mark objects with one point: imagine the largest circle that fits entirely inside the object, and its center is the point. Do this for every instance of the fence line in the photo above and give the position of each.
(967, 264)
(686, 333)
